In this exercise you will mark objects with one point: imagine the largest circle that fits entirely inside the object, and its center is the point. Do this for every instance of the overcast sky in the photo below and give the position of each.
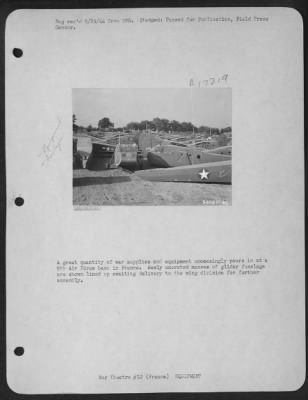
(206, 106)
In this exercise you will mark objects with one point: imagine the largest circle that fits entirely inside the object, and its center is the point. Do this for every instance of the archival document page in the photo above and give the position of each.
(144, 252)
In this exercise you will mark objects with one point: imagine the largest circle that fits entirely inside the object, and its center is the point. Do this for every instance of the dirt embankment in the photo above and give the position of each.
(120, 187)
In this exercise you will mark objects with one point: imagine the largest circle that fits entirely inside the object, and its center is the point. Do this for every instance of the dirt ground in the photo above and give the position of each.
(120, 187)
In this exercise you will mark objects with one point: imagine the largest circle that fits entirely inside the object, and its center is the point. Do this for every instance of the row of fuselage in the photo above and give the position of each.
(164, 154)
(161, 156)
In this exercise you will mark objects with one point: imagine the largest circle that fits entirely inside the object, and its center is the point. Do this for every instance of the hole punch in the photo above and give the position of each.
(19, 351)
(19, 201)
(17, 52)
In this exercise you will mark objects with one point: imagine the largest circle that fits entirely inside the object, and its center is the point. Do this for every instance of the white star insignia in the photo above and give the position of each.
(204, 174)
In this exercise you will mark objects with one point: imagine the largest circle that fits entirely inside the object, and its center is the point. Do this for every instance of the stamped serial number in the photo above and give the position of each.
(215, 202)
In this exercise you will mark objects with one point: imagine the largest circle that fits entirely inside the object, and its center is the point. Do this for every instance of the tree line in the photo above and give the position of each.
(165, 125)
(156, 124)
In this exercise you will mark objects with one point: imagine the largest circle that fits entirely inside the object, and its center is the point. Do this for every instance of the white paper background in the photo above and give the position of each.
(241, 334)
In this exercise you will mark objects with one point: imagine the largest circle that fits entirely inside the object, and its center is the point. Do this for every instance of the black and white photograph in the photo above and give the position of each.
(170, 146)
